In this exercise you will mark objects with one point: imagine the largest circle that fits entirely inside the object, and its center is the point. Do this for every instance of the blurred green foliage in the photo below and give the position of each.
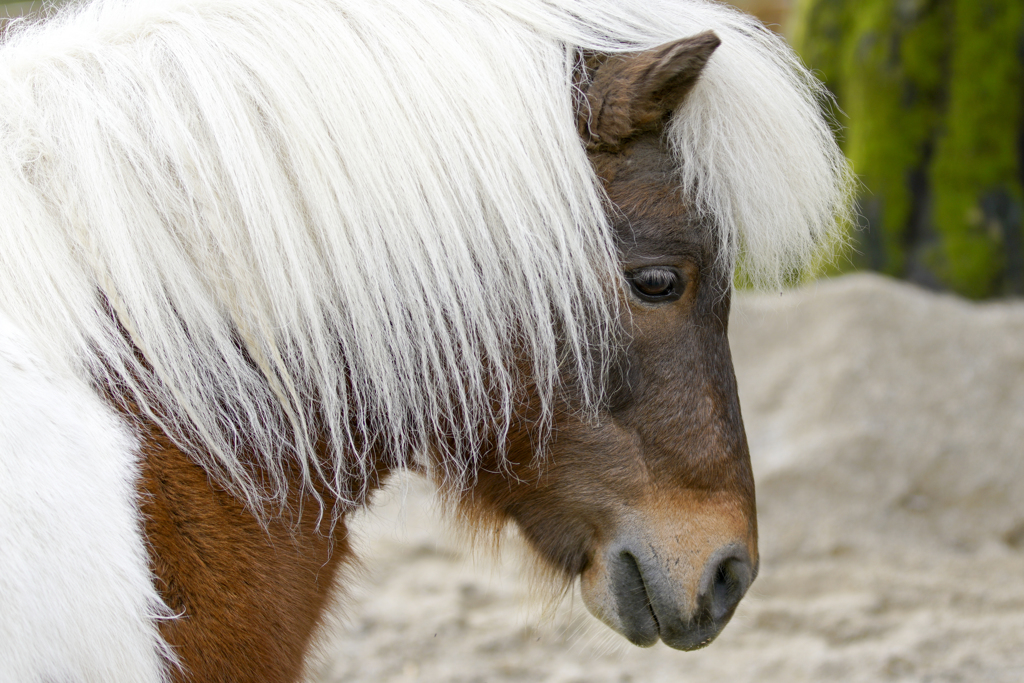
(16, 9)
(934, 94)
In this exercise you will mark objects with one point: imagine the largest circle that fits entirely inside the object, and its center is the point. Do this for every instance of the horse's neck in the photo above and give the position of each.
(251, 597)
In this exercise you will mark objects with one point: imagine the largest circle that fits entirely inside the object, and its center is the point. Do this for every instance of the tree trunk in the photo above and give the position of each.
(933, 91)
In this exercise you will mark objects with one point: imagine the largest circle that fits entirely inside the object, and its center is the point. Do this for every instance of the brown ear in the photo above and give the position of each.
(634, 93)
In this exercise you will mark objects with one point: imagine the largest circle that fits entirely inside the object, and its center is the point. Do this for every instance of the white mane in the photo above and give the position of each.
(337, 224)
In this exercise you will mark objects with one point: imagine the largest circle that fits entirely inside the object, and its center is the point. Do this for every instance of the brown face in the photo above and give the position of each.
(653, 506)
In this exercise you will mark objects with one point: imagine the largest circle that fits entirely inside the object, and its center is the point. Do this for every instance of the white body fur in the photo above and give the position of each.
(343, 219)
(77, 601)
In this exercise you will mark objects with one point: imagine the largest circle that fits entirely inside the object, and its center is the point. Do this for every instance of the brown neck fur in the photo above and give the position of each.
(249, 598)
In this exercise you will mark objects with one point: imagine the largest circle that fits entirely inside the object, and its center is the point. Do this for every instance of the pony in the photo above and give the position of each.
(259, 255)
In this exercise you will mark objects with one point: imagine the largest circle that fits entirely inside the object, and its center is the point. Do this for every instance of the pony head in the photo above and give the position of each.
(651, 503)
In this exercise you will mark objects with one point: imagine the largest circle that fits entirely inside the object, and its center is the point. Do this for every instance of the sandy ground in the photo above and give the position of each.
(887, 435)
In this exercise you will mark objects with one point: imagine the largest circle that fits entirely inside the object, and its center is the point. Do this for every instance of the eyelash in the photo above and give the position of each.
(646, 283)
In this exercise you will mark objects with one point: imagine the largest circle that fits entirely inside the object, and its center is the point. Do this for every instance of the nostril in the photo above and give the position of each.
(633, 596)
(725, 583)
(729, 587)
(633, 609)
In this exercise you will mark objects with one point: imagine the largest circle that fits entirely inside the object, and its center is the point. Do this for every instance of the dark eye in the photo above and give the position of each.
(657, 284)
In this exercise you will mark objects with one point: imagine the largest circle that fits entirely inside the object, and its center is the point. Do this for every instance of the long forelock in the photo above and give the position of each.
(294, 227)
